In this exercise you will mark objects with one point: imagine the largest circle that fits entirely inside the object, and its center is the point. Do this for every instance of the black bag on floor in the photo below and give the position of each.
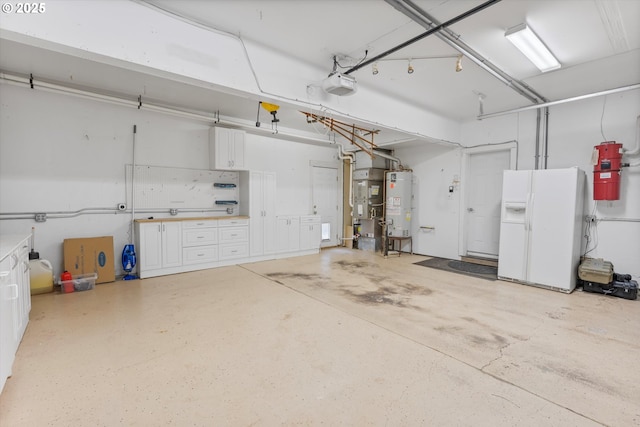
(627, 289)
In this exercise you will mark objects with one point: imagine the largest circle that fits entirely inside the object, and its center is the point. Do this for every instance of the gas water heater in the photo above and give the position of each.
(398, 189)
(607, 170)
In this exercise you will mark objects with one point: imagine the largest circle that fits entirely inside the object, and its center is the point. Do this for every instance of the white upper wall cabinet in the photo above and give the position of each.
(226, 149)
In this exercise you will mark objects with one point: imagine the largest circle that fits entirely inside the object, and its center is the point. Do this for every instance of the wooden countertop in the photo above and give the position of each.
(195, 218)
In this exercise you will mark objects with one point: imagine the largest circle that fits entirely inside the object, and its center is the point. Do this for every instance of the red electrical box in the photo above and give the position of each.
(606, 171)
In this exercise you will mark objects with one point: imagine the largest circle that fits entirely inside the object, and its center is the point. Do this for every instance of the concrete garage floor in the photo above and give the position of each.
(340, 338)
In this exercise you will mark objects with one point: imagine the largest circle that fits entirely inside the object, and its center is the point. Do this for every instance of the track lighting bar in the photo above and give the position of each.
(411, 10)
(423, 35)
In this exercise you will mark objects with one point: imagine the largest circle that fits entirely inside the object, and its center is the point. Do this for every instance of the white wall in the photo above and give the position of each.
(291, 162)
(574, 129)
(435, 168)
(60, 153)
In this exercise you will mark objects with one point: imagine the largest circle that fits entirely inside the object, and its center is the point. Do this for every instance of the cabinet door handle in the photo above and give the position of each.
(159, 229)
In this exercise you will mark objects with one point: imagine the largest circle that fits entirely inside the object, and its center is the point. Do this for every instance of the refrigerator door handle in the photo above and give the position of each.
(529, 211)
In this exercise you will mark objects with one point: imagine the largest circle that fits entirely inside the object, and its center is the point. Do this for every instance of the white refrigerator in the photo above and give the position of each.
(541, 227)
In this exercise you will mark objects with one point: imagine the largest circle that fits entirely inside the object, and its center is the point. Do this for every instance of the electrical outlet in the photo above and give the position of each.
(41, 217)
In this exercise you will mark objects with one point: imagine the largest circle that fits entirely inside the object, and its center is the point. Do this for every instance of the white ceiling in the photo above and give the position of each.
(596, 41)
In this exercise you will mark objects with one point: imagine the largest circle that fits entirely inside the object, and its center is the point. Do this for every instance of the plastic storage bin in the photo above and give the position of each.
(79, 282)
(596, 270)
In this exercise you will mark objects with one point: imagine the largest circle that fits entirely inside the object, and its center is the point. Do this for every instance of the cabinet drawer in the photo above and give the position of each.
(234, 234)
(233, 222)
(199, 236)
(202, 223)
(231, 251)
(199, 254)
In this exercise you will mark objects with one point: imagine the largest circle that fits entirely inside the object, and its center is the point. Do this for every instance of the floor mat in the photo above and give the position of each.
(460, 267)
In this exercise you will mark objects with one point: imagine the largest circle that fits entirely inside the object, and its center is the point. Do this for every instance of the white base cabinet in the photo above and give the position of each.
(169, 246)
(199, 242)
(234, 238)
(15, 299)
(160, 245)
(287, 233)
(310, 232)
(172, 246)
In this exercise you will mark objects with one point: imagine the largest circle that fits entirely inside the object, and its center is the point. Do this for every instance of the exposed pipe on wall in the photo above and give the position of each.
(561, 101)
(6, 216)
(635, 151)
(546, 136)
(537, 154)
(132, 230)
(343, 155)
(387, 156)
(121, 101)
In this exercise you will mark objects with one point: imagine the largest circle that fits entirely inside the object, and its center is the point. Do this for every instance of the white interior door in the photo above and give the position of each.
(325, 202)
(483, 202)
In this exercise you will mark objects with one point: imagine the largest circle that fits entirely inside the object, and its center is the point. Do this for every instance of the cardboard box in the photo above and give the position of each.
(90, 255)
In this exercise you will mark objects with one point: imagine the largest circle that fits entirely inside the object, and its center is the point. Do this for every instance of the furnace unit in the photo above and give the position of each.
(368, 201)
(368, 207)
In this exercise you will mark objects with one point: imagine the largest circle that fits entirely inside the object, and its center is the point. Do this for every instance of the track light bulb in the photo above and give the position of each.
(459, 64)
(410, 68)
(374, 69)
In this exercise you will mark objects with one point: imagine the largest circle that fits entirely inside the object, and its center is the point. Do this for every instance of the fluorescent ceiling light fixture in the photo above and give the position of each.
(532, 47)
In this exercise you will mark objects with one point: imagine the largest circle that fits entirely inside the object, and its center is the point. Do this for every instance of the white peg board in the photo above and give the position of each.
(158, 187)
